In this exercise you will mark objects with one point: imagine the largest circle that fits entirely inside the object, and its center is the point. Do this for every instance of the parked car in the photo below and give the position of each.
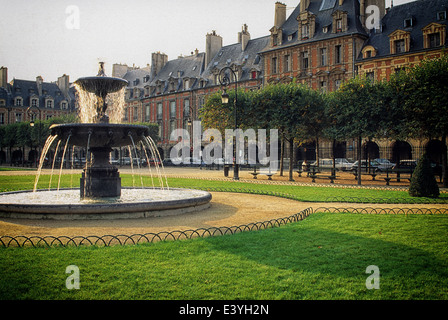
(385, 164)
(374, 166)
(405, 165)
(341, 164)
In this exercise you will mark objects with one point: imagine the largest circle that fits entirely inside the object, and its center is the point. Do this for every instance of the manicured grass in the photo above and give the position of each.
(301, 193)
(322, 257)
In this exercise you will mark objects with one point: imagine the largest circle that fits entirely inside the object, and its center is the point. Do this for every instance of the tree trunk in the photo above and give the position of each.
(359, 159)
(282, 154)
(291, 158)
(317, 151)
(444, 163)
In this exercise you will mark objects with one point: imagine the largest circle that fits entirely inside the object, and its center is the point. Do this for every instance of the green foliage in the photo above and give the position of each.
(423, 182)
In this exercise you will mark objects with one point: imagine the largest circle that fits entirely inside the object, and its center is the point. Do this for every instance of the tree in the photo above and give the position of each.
(357, 109)
(426, 106)
(423, 182)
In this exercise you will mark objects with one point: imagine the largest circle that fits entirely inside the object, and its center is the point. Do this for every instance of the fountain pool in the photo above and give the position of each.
(100, 195)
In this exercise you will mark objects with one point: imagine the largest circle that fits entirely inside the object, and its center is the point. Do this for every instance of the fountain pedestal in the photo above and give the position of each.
(101, 179)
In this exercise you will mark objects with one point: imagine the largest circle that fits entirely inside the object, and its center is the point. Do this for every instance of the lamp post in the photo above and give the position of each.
(225, 81)
(29, 113)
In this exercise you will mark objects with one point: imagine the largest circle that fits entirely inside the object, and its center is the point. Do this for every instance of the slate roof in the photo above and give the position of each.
(323, 10)
(233, 55)
(178, 70)
(28, 88)
(422, 14)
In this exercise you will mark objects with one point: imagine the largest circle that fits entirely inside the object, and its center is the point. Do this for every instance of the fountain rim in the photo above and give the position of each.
(98, 210)
(99, 125)
(103, 78)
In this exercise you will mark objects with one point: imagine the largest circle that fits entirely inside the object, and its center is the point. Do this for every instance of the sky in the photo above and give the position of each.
(50, 38)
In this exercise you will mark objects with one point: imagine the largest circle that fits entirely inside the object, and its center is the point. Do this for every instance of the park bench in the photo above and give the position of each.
(315, 174)
(265, 172)
(398, 175)
(373, 175)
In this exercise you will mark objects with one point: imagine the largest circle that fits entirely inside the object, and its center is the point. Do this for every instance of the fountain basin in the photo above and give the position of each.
(65, 204)
(101, 85)
(101, 134)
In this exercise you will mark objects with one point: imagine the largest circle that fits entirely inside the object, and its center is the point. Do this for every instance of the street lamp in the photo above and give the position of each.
(29, 113)
(224, 80)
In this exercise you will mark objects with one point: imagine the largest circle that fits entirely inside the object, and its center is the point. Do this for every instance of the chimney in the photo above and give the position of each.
(64, 85)
(158, 61)
(213, 44)
(304, 4)
(3, 77)
(39, 82)
(119, 70)
(280, 14)
(244, 37)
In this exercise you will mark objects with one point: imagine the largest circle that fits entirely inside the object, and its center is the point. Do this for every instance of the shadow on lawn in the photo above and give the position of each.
(303, 247)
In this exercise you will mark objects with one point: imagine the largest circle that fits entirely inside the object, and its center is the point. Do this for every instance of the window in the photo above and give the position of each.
(34, 102)
(64, 105)
(186, 84)
(18, 117)
(49, 116)
(254, 75)
(323, 86)
(434, 40)
(338, 25)
(187, 108)
(441, 15)
(172, 126)
(287, 63)
(148, 113)
(337, 84)
(2, 103)
(399, 46)
(370, 76)
(305, 60)
(274, 68)
(159, 111)
(305, 31)
(337, 54)
(368, 54)
(2, 118)
(323, 56)
(18, 102)
(408, 23)
(173, 109)
(50, 104)
(135, 113)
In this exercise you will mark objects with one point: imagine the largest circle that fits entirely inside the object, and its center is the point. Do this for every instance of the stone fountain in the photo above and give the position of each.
(100, 192)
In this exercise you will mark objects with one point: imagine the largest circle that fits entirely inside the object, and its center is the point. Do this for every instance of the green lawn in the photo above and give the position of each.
(322, 257)
(301, 193)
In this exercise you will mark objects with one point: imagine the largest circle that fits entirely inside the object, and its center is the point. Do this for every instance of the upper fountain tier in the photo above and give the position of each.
(101, 86)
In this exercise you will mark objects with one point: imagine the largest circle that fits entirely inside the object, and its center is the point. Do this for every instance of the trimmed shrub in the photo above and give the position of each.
(423, 182)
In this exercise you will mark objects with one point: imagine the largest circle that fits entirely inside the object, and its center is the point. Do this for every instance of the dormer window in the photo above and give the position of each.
(399, 46)
(434, 35)
(34, 102)
(305, 31)
(186, 84)
(441, 15)
(408, 23)
(338, 25)
(340, 21)
(400, 41)
(64, 105)
(18, 102)
(49, 103)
